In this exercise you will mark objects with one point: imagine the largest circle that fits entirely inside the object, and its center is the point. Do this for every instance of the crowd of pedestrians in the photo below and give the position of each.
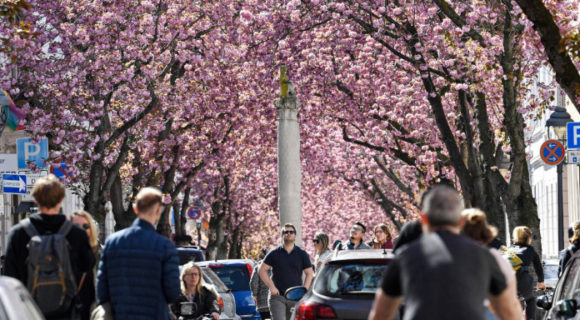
(447, 264)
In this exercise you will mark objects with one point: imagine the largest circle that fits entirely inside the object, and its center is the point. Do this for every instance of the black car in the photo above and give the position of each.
(187, 254)
(345, 286)
(565, 302)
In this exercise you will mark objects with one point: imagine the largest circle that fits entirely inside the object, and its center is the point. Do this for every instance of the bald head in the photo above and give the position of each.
(442, 206)
(147, 199)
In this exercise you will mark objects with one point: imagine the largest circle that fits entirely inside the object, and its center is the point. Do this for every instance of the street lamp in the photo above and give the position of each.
(558, 120)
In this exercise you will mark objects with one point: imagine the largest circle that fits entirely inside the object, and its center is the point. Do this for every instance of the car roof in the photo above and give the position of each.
(188, 249)
(227, 262)
(344, 255)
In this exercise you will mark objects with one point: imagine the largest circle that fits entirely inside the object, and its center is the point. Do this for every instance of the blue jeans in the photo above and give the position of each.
(489, 315)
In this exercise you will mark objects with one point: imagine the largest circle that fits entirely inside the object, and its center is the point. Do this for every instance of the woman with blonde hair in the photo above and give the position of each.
(85, 220)
(322, 253)
(522, 238)
(86, 293)
(194, 290)
(477, 228)
(382, 238)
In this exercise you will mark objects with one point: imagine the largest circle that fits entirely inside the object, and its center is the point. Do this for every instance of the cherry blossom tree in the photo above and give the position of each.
(557, 24)
(433, 90)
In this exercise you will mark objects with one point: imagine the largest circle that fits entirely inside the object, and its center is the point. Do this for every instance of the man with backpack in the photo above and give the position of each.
(48, 254)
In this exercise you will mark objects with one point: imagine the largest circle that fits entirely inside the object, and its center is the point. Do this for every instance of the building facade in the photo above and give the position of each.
(544, 177)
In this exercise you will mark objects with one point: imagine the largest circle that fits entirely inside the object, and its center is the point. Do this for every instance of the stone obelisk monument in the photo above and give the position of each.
(289, 169)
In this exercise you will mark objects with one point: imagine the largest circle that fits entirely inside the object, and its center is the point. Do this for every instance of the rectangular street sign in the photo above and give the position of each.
(8, 163)
(573, 135)
(14, 183)
(32, 152)
(32, 177)
(574, 156)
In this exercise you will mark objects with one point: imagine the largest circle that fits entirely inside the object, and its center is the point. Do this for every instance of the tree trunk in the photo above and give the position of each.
(235, 244)
(123, 217)
(216, 231)
(520, 203)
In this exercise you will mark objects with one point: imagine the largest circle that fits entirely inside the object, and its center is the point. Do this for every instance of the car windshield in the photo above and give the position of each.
(351, 277)
(236, 278)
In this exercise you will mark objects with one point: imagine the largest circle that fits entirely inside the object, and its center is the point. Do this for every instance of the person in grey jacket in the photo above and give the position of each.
(260, 290)
(139, 268)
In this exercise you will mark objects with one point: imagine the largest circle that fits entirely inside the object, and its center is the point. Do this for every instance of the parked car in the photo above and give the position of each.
(565, 302)
(235, 274)
(345, 286)
(226, 299)
(187, 254)
(16, 302)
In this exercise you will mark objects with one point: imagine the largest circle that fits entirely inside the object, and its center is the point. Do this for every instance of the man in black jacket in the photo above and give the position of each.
(48, 193)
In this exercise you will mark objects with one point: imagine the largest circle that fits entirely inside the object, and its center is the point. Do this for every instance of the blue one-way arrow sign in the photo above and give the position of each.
(14, 183)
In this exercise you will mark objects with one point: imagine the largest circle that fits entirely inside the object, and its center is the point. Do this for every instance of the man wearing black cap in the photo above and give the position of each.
(355, 242)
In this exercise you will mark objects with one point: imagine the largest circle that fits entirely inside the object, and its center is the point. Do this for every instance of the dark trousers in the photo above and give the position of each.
(526, 290)
(265, 315)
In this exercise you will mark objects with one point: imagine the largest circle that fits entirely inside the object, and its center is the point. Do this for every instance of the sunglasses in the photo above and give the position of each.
(315, 241)
(288, 232)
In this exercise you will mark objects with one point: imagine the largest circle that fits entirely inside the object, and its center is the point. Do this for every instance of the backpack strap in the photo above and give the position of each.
(29, 227)
(65, 228)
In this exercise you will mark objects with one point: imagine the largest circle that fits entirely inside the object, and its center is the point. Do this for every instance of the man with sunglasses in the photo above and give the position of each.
(287, 263)
(355, 242)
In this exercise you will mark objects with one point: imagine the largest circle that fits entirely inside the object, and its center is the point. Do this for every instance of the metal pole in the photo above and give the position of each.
(198, 225)
(560, 208)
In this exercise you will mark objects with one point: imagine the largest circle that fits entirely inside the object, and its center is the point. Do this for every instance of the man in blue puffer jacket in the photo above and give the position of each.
(139, 269)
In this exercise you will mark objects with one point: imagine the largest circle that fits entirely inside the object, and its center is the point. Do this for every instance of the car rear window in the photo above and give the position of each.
(236, 278)
(186, 256)
(351, 277)
(210, 277)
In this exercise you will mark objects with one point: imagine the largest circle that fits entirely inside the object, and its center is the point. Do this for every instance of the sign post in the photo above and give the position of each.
(14, 183)
(552, 152)
(194, 213)
(28, 151)
(573, 135)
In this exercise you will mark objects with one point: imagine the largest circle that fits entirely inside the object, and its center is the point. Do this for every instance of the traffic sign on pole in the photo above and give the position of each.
(573, 134)
(14, 183)
(194, 213)
(552, 152)
(574, 156)
(28, 151)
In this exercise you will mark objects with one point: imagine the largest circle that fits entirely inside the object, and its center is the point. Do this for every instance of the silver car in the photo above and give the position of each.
(16, 302)
(225, 299)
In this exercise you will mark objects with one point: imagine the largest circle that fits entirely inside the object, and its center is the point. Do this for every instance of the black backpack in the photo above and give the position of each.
(51, 281)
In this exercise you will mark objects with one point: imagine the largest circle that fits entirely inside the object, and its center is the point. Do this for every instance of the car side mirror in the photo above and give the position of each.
(295, 293)
(566, 308)
(544, 302)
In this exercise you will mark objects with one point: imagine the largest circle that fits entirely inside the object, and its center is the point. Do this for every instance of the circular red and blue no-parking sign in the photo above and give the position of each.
(194, 213)
(552, 152)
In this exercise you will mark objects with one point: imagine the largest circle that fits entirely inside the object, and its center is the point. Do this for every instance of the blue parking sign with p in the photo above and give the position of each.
(30, 152)
(573, 135)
